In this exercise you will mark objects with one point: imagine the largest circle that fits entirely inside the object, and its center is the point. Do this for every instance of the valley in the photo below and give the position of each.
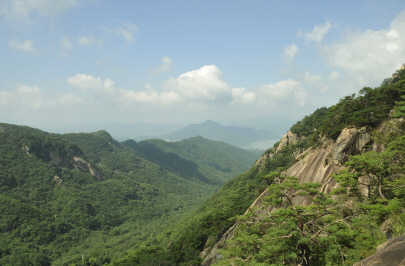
(68, 195)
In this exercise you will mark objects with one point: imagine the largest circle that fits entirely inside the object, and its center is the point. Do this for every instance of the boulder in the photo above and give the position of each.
(392, 252)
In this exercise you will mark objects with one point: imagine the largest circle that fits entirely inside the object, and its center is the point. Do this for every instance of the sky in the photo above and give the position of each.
(181, 62)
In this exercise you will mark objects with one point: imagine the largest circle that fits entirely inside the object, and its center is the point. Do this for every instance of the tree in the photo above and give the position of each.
(301, 226)
(382, 172)
(399, 110)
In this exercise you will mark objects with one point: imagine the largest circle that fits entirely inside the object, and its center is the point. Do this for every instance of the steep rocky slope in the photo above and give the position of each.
(317, 164)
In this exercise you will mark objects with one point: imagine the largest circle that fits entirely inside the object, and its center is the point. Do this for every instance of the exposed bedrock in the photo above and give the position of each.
(314, 165)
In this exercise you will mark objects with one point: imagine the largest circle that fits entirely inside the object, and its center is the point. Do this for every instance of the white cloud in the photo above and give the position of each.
(205, 83)
(22, 9)
(90, 40)
(165, 66)
(392, 47)
(126, 30)
(300, 96)
(393, 34)
(312, 79)
(24, 89)
(87, 82)
(241, 96)
(283, 91)
(333, 76)
(384, 53)
(149, 96)
(200, 91)
(290, 51)
(26, 46)
(107, 91)
(317, 33)
(86, 40)
(65, 44)
(316, 82)
(33, 98)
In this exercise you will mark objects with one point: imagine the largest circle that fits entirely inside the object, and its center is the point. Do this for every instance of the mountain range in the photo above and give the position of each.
(242, 137)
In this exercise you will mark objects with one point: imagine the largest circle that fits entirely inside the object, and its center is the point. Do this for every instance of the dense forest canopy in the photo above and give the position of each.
(64, 196)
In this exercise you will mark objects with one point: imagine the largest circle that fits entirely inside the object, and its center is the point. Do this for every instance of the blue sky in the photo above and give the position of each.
(96, 61)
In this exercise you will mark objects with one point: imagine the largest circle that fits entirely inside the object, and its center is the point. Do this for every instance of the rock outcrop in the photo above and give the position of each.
(314, 165)
(283, 143)
(26, 149)
(395, 76)
(84, 165)
(392, 252)
(287, 140)
(351, 141)
(58, 180)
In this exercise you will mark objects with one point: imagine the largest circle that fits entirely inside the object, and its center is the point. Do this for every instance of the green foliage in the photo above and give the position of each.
(54, 210)
(211, 220)
(368, 109)
(375, 183)
(145, 256)
(209, 161)
(399, 110)
(382, 173)
(311, 123)
(316, 233)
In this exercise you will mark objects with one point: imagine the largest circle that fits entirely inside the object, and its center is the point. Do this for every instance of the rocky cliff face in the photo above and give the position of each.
(313, 165)
(62, 160)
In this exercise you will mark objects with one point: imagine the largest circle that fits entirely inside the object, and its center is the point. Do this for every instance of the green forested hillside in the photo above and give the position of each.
(196, 157)
(211, 219)
(64, 196)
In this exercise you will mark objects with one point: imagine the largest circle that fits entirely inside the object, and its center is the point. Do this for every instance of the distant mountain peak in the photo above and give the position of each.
(234, 135)
(210, 122)
(103, 134)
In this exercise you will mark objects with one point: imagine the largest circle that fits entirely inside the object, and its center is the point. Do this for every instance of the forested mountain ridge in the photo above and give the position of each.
(197, 156)
(68, 195)
(362, 135)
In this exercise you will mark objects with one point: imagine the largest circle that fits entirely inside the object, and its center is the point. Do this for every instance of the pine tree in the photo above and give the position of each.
(302, 226)
(399, 110)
